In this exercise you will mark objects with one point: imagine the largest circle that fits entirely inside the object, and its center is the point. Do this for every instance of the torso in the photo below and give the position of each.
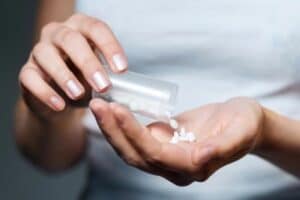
(214, 50)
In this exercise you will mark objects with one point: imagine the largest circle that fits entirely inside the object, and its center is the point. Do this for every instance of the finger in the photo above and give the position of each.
(114, 135)
(174, 177)
(158, 154)
(106, 120)
(48, 58)
(31, 79)
(102, 36)
(80, 52)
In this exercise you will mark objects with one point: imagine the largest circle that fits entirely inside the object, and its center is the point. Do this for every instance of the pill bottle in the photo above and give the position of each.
(141, 94)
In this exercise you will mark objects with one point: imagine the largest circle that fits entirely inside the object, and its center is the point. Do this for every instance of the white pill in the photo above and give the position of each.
(173, 123)
(182, 136)
(182, 132)
(176, 134)
(174, 140)
(190, 137)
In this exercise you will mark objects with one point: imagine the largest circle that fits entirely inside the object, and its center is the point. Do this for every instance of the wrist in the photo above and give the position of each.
(265, 142)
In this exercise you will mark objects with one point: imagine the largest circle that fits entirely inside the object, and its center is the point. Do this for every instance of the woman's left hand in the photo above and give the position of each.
(225, 132)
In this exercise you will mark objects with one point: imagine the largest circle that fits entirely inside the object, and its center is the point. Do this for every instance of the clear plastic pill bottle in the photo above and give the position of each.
(141, 94)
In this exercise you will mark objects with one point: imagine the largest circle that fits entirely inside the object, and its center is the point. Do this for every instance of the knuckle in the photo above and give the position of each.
(107, 41)
(63, 75)
(98, 24)
(67, 36)
(96, 27)
(154, 156)
(26, 72)
(131, 160)
(70, 35)
(22, 74)
(122, 115)
(153, 159)
(204, 174)
(40, 47)
(48, 28)
(78, 16)
(94, 22)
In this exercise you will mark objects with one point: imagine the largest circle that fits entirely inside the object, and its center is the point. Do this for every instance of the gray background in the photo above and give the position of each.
(18, 178)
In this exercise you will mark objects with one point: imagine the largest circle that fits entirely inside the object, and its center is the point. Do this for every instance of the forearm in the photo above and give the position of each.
(54, 143)
(51, 144)
(281, 142)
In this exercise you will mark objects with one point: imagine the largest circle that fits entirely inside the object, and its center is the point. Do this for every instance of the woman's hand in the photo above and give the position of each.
(58, 76)
(62, 66)
(225, 132)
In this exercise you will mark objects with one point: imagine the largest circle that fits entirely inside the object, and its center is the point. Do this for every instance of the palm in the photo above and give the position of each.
(212, 120)
(232, 127)
(193, 120)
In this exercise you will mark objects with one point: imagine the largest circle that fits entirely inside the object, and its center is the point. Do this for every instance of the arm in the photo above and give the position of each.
(281, 142)
(52, 141)
(39, 137)
(56, 82)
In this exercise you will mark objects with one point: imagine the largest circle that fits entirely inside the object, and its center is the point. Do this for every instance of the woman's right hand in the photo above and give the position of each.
(63, 68)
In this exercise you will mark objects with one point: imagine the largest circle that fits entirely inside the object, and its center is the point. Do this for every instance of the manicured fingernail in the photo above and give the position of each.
(101, 81)
(74, 89)
(120, 62)
(203, 155)
(57, 103)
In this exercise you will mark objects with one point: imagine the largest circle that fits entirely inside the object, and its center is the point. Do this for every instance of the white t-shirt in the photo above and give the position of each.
(213, 50)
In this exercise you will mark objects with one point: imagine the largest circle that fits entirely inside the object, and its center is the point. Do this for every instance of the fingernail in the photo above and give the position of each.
(93, 107)
(100, 81)
(203, 155)
(57, 103)
(120, 62)
(74, 89)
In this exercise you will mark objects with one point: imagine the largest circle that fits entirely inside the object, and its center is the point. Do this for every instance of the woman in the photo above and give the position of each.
(214, 50)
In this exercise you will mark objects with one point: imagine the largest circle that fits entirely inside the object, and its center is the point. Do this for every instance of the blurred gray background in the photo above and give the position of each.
(18, 178)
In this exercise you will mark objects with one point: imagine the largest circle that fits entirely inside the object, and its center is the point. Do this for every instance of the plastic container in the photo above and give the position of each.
(143, 95)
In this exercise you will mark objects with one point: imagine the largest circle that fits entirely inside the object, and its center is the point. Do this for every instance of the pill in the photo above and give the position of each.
(173, 123)
(182, 132)
(190, 137)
